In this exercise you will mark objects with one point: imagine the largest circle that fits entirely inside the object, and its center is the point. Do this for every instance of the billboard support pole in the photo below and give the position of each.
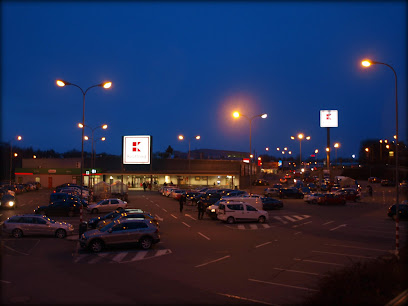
(328, 149)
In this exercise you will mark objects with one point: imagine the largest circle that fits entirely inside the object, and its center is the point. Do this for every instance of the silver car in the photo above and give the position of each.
(124, 231)
(21, 225)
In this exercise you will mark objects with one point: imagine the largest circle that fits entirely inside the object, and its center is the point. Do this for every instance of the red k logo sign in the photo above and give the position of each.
(134, 147)
(328, 116)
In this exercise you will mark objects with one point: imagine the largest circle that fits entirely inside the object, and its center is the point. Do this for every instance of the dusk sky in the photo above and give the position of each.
(183, 68)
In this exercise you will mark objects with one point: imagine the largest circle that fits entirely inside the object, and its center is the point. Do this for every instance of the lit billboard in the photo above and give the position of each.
(136, 149)
(329, 118)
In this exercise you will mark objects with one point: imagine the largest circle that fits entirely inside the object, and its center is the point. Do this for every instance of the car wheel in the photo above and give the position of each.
(230, 220)
(146, 243)
(261, 219)
(60, 233)
(96, 245)
(71, 213)
(17, 233)
(94, 211)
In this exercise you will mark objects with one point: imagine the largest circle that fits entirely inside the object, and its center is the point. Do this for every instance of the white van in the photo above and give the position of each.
(254, 201)
(233, 211)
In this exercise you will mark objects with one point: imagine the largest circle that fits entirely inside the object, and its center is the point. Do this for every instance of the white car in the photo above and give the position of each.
(107, 205)
(313, 197)
(233, 211)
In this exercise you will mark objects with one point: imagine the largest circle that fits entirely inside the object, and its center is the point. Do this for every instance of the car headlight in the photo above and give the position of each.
(11, 203)
(213, 210)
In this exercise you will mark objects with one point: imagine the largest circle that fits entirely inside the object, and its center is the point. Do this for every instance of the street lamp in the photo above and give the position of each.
(300, 136)
(181, 137)
(336, 146)
(263, 116)
(104, 127)
(18, 138)
(105, 85)
(368, 63)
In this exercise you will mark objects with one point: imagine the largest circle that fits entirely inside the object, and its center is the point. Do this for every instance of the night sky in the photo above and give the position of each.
(183, 68)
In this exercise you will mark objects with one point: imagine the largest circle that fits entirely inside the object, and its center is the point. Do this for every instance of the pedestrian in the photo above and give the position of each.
(182, 201)
(144, 186)
(201, 208)
(370, 190)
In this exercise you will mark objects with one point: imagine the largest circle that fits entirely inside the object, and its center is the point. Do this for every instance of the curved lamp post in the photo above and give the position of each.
(106, 85)
(11, 154)
(104, 127)
(367, 63)
(181, 137)
(263, 116)
(300, 136)
(336, 146)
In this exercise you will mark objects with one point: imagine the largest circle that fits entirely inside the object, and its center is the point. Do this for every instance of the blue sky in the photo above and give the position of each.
(183, 68)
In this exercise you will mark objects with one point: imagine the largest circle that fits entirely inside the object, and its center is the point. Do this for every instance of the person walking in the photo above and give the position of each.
(182, 201)
(144, 186)
(200, 206)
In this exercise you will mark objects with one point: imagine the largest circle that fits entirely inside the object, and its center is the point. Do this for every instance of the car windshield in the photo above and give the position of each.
(50, 220)
(107, 227)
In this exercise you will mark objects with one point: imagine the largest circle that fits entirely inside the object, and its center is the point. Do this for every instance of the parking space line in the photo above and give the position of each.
(297, 233)
(204, 236)
(283, 285)
(349, 255)
(173, 216)
(157, 204)
(263, 244)
(164, 210)
(187, 215)
(296, 271)
(319, 262)
(207, 263)
(333, 229)
(354, 247)
(186, 224)
(327, 222)
(246, 299)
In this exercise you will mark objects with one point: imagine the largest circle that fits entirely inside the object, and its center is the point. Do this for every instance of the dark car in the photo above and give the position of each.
(210, 199)
(373, 179)
(292, 193)
(271, 203)
(402, 211)
(261, 182)
(349, 194)
(8, 201)
(331, 198)
(60, 196)
(235, 193)
(94, 222)
(59, 208)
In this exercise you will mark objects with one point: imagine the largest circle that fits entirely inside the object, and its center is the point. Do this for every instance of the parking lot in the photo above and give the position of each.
(200, 261)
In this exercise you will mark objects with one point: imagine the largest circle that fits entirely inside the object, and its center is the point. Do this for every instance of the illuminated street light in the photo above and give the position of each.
(181, 137)
(336, 146)
(267, 149)
(263, 116)
(300, 136)
(368, 63)
(18, 138)
(106, 85)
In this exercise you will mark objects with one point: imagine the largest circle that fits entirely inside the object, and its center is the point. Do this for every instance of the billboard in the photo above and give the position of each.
(136, 149)
(329, 118)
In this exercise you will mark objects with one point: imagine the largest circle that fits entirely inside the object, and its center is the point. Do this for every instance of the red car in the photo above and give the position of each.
(331, 198)
(349, 194)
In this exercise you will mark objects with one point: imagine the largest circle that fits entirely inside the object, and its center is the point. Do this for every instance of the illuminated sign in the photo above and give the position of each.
(136, 149)
(329, 118)
(246, 160)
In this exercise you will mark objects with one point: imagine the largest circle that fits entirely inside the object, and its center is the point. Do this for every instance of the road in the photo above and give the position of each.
(199, 261)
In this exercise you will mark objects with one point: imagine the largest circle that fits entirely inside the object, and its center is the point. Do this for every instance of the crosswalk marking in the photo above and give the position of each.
(163, 252)
(95, 260)
(298, 217)
(240, 226)
(290, 219)
(140, 255)
(78, 258)
(281, 220)
(266, 225)
(253, 226)
(119, 256)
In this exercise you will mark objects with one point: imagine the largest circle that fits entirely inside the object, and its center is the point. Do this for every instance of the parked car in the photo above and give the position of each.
(260, 182)
(176, 194)
(313, 197)
(271, 192)
(94, 222)
(60, 196)
(349, 194)
(235, 193)
(29, 224)
(305, 190)
(8, 201)
(402, 211)
(373, 180)
(60, 208)
(134, 215)
(107, 205)
(234, 211)
(293, 193)
(209, 199)
(331, 198)
(312, 186)
(121, 232)
(271, 203)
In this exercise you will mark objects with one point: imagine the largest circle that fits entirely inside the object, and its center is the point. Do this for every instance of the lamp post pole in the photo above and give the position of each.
(263, 116)
(181, 137)
(368, 63)
(11, 155)
(105, 85)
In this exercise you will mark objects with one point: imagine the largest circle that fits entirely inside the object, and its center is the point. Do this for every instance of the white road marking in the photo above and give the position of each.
(282, 285)
(295, 271)
(204, 236)
(174, 216)
(253, 226)
(245, 299)
(186, 224)
(290, 219)
(164, 210)
(187, 215)
(320, 262)
(297, 225)
(22, 205)
(119, 256)
(297, 233)
(327, 222)
(158, 218)
(163, 252)
(306, 216)
(281, 220)
(240, 226)
(157, 205)
(140, 255)
(340, 254)
(95, 260)
(343, 225)
(78, 258)
(210, 262)
(263, 244)
(3, 281)
(298, 217)
(354, 247)
(266, 225)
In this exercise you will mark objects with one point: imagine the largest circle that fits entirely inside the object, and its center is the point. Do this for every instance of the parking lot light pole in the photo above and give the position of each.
(300, 136)
(181, 137)
(263, 116)
(367, 63)
(105, 85)
(11, 154)
(336, 146)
